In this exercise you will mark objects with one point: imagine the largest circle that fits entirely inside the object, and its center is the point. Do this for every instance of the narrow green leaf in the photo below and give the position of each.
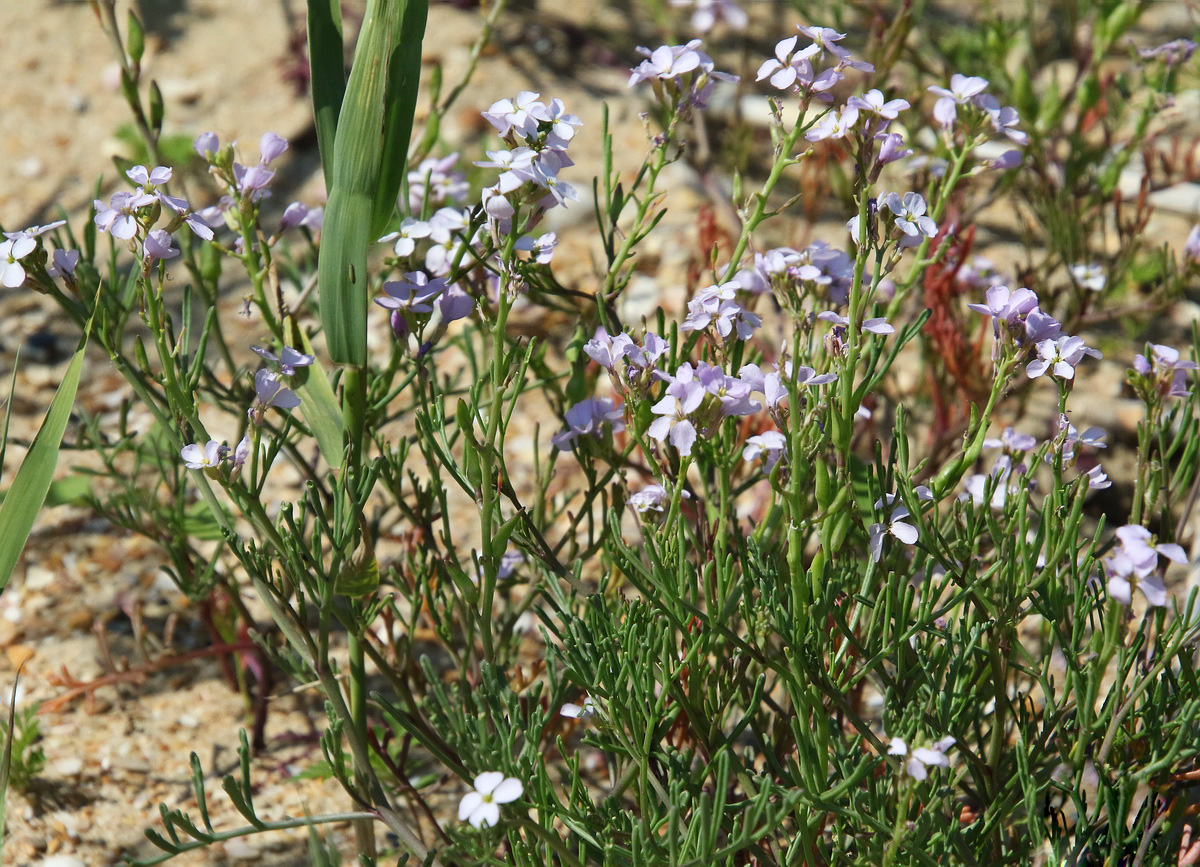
(327, 68)
(29, 488)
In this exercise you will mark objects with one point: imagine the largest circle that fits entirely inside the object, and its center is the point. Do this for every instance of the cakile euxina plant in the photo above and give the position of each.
(727, 606)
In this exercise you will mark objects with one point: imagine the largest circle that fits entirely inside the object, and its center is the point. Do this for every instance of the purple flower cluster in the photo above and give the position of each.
(1018, 319)
(967, 92)
(681, 75)
(792, 69)
(716, 305)
(782, 271)
(1162, 370)
(537, 136)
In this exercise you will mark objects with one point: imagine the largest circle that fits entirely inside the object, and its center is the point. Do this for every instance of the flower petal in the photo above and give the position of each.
(470, 802)
(509, 790)
(484, 817)
(487, 782)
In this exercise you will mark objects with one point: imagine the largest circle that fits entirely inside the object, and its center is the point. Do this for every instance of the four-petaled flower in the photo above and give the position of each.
(1059, 356)
(910, 214)
(197, 457)
(480, 807)
(922, 758)
(12, 250)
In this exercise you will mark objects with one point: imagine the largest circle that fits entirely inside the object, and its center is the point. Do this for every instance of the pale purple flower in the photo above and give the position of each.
(480, 807)
(878, 325)
(910, 214)
(252, 180)
(788, 65)
(562, 125)
(1136, 545)
(833, 124)
(197, 457)
(1010, 159)
(891, 148)
(963, 90)
(770, 444)
(651, 498)
(1163, 364)
(683, 397)
(288, 360)
(241, 452)
(271, 147)
(158, 247)
(207, 144)
(1059, 357)
(542, 248)
(411, 230)
(873, 103)
(1041, 326)
(825, 39)
(668, 62)
(1006, 305)
(270, 391)
(117, 217)
(1004, 119)
(1093, 437)
(293, 215)
(919, 760)
(521, 114)
(413, 294)
(1134, 563)
(64, 263)
(454, 303)
(12, 250)
(1098, 479)
(588, 418)
(143, 178)
(1012, 441)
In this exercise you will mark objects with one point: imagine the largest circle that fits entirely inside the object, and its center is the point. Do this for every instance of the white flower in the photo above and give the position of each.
(923, 757)
(574, 711)
(895, 525)
(479, 807)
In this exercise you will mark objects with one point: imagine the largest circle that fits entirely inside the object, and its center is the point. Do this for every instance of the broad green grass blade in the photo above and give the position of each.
(29, 488)
(319, 404)
(404, 80)
(327, 68)
(359, 153)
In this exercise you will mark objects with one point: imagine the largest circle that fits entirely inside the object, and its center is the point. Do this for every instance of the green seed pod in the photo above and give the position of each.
(135, 43)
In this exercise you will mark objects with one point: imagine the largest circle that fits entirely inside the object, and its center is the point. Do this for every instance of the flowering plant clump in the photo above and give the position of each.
(812, 567)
